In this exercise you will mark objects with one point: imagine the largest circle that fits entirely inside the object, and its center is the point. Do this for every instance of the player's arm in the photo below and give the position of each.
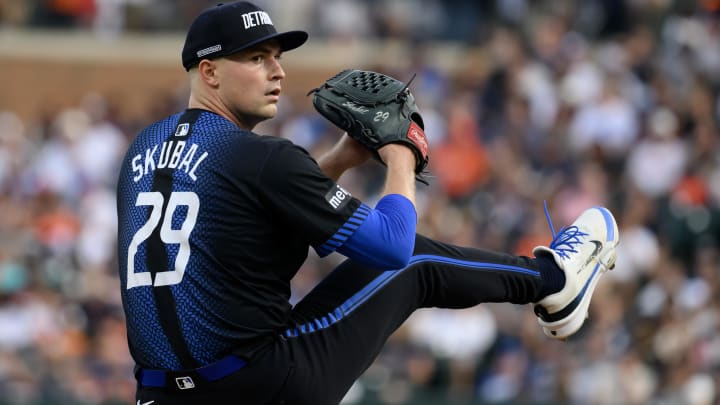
(400, 161)
(345, 154)
(387, 237)
(381, 237)
(400, 176)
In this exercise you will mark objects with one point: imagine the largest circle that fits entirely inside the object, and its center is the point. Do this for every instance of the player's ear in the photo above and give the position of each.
(207, 69)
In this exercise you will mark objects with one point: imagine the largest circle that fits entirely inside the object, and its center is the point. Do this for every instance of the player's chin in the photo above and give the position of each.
(269, 111)
(263, 114)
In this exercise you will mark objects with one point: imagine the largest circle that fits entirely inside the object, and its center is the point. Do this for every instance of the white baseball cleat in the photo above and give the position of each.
(584, 251)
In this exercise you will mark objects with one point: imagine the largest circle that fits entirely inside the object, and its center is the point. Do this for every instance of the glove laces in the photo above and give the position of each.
(402, 94)
(564, 242)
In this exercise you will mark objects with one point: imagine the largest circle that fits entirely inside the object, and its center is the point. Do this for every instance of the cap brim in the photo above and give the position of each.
(288, 40)
(291, 39)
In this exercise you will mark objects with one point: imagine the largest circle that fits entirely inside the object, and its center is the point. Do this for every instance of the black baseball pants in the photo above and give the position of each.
(339, 328)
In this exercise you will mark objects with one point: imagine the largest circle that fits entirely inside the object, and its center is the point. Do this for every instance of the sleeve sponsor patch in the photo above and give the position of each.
(337, 197)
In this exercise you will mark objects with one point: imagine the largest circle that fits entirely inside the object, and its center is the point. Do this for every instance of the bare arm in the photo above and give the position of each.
(400, 161)
(347, 153)
(400, 177)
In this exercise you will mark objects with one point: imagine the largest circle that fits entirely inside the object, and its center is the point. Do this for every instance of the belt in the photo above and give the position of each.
(210, 372)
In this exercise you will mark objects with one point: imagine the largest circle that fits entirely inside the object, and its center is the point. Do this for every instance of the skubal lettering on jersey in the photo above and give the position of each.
(174, 154)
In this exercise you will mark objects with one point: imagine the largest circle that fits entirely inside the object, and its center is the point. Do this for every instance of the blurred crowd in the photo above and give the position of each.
(605, 102)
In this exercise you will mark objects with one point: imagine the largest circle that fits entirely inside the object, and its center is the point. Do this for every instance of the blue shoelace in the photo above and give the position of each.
(564, 242)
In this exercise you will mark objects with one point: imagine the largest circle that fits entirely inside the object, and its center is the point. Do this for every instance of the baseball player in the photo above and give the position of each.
(215, 220)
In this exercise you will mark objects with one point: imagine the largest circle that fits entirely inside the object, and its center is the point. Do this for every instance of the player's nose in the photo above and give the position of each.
(276, 70)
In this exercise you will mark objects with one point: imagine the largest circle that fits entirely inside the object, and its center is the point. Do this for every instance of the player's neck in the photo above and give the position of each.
(207, 103)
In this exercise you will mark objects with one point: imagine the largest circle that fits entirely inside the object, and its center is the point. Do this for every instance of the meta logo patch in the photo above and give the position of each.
(337, 197)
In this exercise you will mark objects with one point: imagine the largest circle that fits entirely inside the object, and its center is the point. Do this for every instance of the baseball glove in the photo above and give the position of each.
(374, 109)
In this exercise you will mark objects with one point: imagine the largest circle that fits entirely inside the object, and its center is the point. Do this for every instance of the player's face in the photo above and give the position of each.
(249, 83)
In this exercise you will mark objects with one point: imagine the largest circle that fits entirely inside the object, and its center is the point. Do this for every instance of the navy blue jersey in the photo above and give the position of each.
(213, 222)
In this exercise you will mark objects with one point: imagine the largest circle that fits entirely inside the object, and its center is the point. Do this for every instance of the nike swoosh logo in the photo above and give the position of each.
(593, 255)
(145, 403)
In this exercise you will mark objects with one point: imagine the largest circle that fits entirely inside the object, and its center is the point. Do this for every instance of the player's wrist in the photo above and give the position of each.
(398, 156)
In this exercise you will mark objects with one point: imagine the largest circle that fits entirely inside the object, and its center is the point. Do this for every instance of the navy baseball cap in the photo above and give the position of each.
(229, 28)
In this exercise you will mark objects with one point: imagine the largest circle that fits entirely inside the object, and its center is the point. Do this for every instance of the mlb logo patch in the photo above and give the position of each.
(182, 129)
(184, 383)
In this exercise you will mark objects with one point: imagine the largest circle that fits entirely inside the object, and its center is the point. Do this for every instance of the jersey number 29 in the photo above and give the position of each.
(167, 234)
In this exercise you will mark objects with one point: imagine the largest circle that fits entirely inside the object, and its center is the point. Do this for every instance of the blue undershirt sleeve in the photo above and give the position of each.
(386, 239)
